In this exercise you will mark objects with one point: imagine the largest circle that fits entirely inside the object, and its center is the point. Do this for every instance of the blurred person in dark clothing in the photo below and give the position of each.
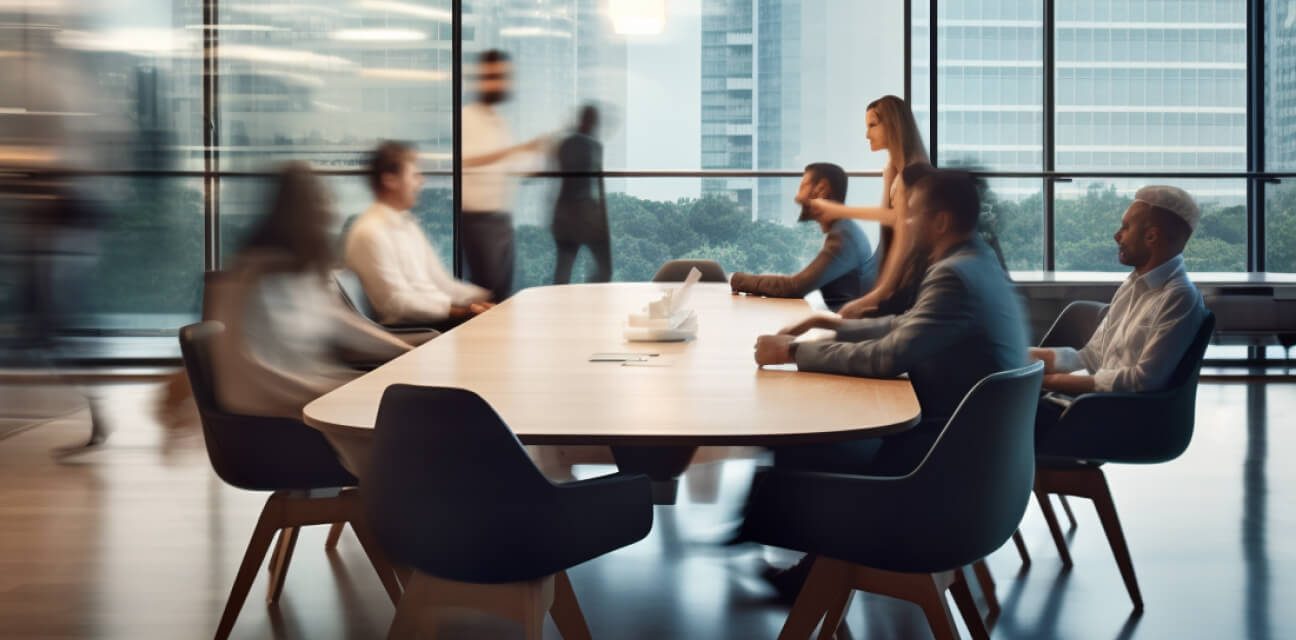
(580, 214)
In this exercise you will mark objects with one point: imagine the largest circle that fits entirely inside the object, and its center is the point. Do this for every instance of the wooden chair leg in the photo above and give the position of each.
(1055, 529)
(334, 535)
(262, 536)
(279, 572)
(429, 601)
(1066, 508)
(932, 601)
(986, 582)
(378, 558)
(967, 607)
(1021, 548)
(836, 613)
(566, 611)
(826, 581)
(1101, 496)
(275, 555)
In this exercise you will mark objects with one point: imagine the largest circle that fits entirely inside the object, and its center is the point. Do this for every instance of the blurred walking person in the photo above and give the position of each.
(490, 160)
(580, 214)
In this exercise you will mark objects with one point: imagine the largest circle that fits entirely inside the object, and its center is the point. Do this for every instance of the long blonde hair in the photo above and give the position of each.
(903, 139)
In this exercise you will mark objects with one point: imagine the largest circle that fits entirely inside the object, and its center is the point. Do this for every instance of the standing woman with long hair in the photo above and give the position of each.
(890, 127)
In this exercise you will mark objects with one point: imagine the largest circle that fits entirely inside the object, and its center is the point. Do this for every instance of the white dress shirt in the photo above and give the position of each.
(487, 188)
(1149, 326)
(400, 270)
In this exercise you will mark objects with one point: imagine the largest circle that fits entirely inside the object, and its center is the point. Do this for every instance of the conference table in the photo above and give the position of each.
(532, 358)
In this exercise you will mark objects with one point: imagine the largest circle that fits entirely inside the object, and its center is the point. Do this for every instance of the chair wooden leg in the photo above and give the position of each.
(836, 613)
(1066, 508)
(378, 558)
(566, 611)
(967, 607)
(1055, 529)
(275, 555)
(279, 573)
(932, 601)
(429, 600)
(334, 535)
(262, 536)
(825, 583)
(1101, 495)
(986, 582)
(1021, 548)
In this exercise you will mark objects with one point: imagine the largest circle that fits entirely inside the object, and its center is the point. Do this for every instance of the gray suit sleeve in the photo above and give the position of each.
(865, 329)
(940, 318)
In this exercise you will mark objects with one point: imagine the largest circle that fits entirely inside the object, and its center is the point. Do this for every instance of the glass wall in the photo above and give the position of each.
(1088, 214)
(990, 85)
(1151, 86)
(647, 231)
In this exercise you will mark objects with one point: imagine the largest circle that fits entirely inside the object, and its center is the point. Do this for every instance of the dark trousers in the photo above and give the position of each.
(601, 249)
(489, 252)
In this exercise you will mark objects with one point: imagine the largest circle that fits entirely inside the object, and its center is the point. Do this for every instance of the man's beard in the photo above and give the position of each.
(493, 97)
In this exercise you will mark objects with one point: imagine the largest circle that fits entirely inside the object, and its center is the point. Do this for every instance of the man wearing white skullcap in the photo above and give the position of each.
(1155, 313)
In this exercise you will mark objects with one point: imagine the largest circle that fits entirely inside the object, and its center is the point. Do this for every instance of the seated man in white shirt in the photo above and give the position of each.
(401, 272)
(1155, 313)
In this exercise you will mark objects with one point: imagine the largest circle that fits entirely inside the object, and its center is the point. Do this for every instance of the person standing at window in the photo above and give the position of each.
(580, 214)
(891, 128)
(489, 159)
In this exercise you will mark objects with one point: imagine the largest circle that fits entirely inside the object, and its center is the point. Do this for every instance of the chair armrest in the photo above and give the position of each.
(1121, 427)
(829, 513)
(604, 513)
(616, 487)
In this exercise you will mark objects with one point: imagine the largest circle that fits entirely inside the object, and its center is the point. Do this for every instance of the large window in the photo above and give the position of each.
(1100, 98)
(173, 114)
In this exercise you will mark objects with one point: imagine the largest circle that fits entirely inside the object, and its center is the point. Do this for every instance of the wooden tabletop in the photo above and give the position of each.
(529, 358)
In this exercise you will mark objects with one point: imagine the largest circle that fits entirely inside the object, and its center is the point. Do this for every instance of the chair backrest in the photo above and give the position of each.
(353, 293)
(253, 452)
(678, 270)
(1075, 325)
(1179, 413)
(973, 486)
(444, 472)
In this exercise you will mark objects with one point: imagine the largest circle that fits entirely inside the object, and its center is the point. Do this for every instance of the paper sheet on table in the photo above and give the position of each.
(681, 295)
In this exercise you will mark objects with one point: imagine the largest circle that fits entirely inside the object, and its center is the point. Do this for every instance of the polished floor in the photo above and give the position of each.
(141, 540)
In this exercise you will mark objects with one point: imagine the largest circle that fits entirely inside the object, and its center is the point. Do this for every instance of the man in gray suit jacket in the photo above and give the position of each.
(966, 324)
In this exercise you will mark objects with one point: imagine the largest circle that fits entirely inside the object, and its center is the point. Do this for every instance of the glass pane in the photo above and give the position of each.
(96, 85)
(1280, 85)
(990, 91)
(245, 201)
(652, 220)
(323, 83)
(722, 84)
(920, 64)
(1280, 227)
(1013, 210)
(1089, 212)
(1151, 85)
(141, 261)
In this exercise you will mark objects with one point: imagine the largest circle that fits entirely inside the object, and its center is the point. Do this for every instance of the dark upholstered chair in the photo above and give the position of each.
(678, 270)
(452, 494)
(353, 295)
(1072, 328)
(909, 537)
(1136, 428)
(273, 454)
